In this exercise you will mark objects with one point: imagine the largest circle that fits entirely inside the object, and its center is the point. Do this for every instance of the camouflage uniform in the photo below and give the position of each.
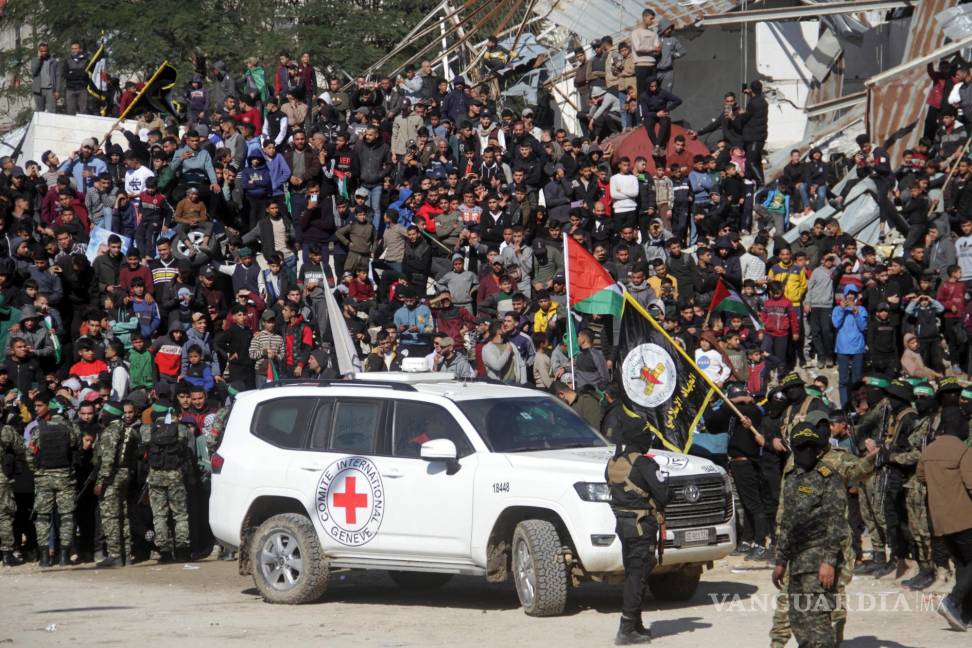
(916, 493)
(115, 450)
(813, 530)
(869, 496)
(167, 490)
(53, 484)
(850, 469)
(11, 451)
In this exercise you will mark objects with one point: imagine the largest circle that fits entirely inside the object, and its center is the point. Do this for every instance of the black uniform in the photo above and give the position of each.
(639, 492)
(744, 465)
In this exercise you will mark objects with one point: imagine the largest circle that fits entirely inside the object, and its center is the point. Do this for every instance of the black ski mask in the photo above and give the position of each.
(924, 406)
(795, 394)
(807, 456)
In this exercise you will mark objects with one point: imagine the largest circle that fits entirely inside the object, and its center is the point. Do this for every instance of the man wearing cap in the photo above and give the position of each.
(50, 451)
(116, 449)
(851, 470)
(927, 402)
(84, 166)
(869, 428)
(448, 359)
(640, 492)
(265, 347)
(799, 405)
(603, 118)
(812, 531)
(893, 475)
(167, 445)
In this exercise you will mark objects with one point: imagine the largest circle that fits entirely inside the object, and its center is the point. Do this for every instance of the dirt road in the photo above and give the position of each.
(207, 603)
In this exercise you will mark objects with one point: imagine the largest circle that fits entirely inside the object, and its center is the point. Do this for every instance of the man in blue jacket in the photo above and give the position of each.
(850, 321)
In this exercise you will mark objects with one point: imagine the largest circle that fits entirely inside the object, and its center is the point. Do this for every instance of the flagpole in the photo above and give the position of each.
(631, 301)
(570, 318)
(133, 102)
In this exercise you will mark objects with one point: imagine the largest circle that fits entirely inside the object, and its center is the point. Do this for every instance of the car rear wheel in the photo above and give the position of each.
(539, 570)
(419, 580)
(675, 585)
(289, 565)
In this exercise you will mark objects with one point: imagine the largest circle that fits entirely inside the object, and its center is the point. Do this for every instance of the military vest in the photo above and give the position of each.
(165, 449)
(892, 432)
(792, 416)
(54, 446)
(625, 494)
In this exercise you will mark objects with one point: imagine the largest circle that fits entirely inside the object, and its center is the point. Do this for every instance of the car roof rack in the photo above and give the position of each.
(337, 382)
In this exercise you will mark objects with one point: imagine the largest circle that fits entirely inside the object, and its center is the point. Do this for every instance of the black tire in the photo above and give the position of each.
(309, 581)
(419, 580)
(538, 543)
(677, 585)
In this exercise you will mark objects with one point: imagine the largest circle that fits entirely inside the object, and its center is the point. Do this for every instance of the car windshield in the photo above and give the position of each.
(527, 424)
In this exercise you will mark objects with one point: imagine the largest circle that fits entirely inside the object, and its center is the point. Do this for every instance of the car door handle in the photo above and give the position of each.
(393, 473)
(312, 468)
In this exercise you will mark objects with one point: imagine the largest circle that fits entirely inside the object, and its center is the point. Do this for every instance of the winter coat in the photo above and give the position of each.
(850, 328)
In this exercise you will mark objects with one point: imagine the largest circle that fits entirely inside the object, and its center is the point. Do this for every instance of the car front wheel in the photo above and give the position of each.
(539, 570)
(289, 565)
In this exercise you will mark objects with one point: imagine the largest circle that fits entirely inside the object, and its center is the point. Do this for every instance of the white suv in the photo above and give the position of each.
(427, 477)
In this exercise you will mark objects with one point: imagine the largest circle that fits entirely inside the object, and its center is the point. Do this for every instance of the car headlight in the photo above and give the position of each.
(593, 491)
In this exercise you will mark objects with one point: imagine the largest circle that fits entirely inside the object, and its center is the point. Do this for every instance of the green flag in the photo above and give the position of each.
(570, 338)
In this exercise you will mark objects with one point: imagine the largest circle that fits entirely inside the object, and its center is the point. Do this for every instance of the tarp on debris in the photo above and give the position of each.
(860, 216)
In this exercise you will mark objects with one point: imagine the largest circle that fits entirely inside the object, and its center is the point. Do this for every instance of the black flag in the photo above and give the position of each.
(662, 385)
(155, 94)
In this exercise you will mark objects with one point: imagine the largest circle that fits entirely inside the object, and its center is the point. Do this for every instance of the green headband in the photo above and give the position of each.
(874, 381)
(924, 390)
(233, 391)
(56, 405)
(111, 409)
(160, 408)
(966, 394)
(914, 382)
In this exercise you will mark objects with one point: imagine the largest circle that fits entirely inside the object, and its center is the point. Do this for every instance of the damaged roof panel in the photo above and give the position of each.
(896, 104)
(592, 19)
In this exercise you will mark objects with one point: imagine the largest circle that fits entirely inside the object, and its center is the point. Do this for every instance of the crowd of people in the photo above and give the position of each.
(435, 216)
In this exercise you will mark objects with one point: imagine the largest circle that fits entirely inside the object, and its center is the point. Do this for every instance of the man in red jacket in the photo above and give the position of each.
(133, 268)
(951, 295)
(782, 324)
(450, 320)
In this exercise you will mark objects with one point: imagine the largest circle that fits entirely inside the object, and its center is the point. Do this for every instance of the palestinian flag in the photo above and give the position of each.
(661, 384)
(272, 375)
(592, 290)
(155, 94)
(726, 300)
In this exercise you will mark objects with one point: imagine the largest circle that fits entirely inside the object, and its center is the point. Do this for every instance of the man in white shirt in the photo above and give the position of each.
(963, 248)
(753, 263)
(136, 175)
(624, 195)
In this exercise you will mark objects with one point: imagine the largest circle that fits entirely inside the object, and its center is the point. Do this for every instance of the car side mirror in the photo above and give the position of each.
(441, 450)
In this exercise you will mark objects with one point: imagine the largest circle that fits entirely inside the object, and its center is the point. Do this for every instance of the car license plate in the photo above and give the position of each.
(697, 536)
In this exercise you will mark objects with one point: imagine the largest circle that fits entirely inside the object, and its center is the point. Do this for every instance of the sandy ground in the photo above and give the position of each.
(208, 603)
